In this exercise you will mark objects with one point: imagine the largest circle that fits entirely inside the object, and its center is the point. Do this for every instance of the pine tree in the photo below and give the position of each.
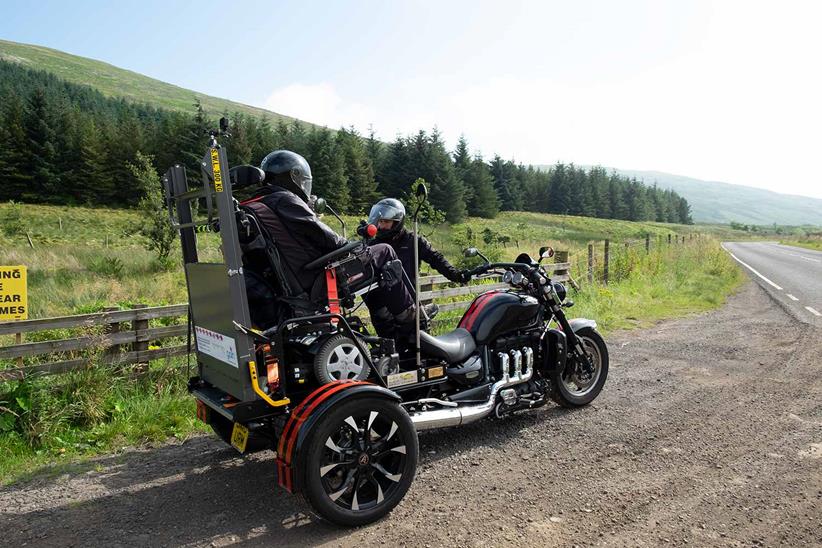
(560, 190)
(41, 153)
(327, 168)
(359, 172)
(485, 202)
(15, 177)
(91, 183)
(462, 165)
(433, 163)
(395, 175)
(239, 147)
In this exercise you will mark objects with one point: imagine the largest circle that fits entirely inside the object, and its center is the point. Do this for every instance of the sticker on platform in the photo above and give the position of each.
(401, 379)
(216, 345)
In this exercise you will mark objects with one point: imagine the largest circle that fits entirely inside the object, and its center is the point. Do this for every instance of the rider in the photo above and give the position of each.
(283, 205)
(388, 215)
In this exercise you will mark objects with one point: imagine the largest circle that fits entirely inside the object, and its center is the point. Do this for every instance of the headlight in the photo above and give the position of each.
(560, 290)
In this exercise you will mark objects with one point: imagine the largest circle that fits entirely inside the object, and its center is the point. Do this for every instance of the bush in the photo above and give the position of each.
(107, 266)
(155, 226)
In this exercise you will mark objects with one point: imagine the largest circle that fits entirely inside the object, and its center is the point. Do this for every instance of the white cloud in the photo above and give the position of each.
(319, 104)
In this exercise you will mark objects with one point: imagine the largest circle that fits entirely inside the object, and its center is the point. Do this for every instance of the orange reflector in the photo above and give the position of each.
(273, 374)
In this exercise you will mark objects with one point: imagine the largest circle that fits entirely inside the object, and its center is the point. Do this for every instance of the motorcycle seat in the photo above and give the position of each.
(453, 347)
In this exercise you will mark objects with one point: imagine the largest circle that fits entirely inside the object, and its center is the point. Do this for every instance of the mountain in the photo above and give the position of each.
(717, 202)
(116, 82)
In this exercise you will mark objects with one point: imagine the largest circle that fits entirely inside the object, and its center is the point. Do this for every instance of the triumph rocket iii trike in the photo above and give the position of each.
(340, 406)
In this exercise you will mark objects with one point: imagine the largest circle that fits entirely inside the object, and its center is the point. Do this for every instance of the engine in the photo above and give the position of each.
(514, 358)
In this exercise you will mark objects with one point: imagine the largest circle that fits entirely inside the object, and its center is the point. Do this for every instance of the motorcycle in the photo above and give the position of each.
(340, 406)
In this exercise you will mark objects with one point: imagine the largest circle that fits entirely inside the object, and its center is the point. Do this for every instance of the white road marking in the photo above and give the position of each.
(749, 267)
(791, 297)
(800, 256)
(812, 311)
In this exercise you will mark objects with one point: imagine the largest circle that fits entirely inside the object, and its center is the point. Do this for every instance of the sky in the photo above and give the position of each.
(719, 90)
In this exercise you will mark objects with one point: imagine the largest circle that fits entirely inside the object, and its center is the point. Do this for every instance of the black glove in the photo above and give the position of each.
(465, 276)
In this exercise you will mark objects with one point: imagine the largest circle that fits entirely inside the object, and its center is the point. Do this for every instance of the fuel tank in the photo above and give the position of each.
(495, 313)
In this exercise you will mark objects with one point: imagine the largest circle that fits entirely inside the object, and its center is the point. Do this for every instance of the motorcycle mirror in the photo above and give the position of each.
(421, 191)
(320, 206)
(546, 252)
(223, 125)
(469, 252)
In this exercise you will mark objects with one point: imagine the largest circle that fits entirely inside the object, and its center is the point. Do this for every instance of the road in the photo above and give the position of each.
(792, 275)
(708, 433)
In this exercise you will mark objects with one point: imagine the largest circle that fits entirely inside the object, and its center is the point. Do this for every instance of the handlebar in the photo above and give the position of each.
(483, 268)
(337, 253)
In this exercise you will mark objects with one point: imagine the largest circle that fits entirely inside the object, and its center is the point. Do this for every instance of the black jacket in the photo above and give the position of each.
(299, 235)
(403, 244)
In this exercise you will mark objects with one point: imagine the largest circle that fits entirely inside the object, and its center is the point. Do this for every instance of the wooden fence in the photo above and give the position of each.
(123, 337)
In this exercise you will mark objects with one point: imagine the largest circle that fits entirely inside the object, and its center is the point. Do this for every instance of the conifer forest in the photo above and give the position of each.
(62, 143)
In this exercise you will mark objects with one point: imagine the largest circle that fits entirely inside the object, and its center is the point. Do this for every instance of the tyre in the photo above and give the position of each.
(223, 428)
(339, 359)
(359, 461)
(573, 386)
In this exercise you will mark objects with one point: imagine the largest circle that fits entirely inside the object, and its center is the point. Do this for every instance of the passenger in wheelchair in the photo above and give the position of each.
(283, 206)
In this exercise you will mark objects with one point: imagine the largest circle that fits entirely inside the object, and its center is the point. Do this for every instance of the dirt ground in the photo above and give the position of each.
(708, 433)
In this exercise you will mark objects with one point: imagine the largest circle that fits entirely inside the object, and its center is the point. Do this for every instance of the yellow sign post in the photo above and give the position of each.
(13, 293)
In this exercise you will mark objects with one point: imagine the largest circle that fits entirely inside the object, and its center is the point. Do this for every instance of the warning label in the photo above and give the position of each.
(13, 293)
(215, 169)
(216, 345)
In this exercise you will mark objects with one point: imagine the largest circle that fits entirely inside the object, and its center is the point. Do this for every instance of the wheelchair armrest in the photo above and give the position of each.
(336, 254)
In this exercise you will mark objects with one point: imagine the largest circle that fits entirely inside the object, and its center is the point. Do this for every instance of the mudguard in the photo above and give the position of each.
(307, 414)
(581, 323)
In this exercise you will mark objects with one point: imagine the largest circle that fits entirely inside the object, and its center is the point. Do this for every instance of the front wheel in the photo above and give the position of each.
(360, 461)
(577, 384)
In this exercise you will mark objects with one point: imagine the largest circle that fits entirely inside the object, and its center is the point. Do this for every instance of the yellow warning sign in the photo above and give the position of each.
(215, 169)
(13, 293)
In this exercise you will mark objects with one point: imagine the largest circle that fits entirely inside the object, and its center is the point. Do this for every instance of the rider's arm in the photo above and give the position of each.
(438, 261)
(297, 216)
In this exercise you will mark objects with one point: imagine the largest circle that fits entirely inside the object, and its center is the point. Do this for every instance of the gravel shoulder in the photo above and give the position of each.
(708, 433)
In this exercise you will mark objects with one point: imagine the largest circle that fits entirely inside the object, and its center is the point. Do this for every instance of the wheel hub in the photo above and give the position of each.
(364, 459)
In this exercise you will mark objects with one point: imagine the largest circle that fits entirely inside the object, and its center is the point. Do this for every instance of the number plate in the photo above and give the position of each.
(401, 379)
(239, 437)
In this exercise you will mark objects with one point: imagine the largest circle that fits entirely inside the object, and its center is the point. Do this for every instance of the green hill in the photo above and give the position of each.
(717, 202)
(116, 82)
(723, 203)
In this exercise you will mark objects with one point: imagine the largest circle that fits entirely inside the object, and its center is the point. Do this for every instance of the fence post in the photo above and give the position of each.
(140, 346)
(18, 339)
(647, 243)
(425, 286)
(110, 329)
(669, 239)
(590, 264)
(605, 264)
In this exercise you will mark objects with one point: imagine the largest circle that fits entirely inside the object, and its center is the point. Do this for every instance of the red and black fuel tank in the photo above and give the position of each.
(498, 312)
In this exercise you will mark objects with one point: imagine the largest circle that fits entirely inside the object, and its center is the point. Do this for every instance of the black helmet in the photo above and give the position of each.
(288, 170)
(387, 209)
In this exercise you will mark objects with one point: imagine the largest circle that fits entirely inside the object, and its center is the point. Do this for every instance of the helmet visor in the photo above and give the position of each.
(384, 212)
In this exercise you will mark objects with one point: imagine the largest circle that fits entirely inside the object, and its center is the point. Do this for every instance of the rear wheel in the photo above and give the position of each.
(577, 384)
(360, 461)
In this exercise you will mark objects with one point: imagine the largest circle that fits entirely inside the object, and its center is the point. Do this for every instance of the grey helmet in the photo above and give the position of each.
(387, 209)
(288, 170)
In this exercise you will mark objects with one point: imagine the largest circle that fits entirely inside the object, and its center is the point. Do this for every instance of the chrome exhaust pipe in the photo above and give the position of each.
(457, 416)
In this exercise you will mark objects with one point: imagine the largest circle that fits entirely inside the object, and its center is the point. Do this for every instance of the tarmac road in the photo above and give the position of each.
(708, 433)
(793, 275)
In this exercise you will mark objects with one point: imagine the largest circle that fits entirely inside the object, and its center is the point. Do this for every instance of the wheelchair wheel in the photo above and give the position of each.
(339, 359)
